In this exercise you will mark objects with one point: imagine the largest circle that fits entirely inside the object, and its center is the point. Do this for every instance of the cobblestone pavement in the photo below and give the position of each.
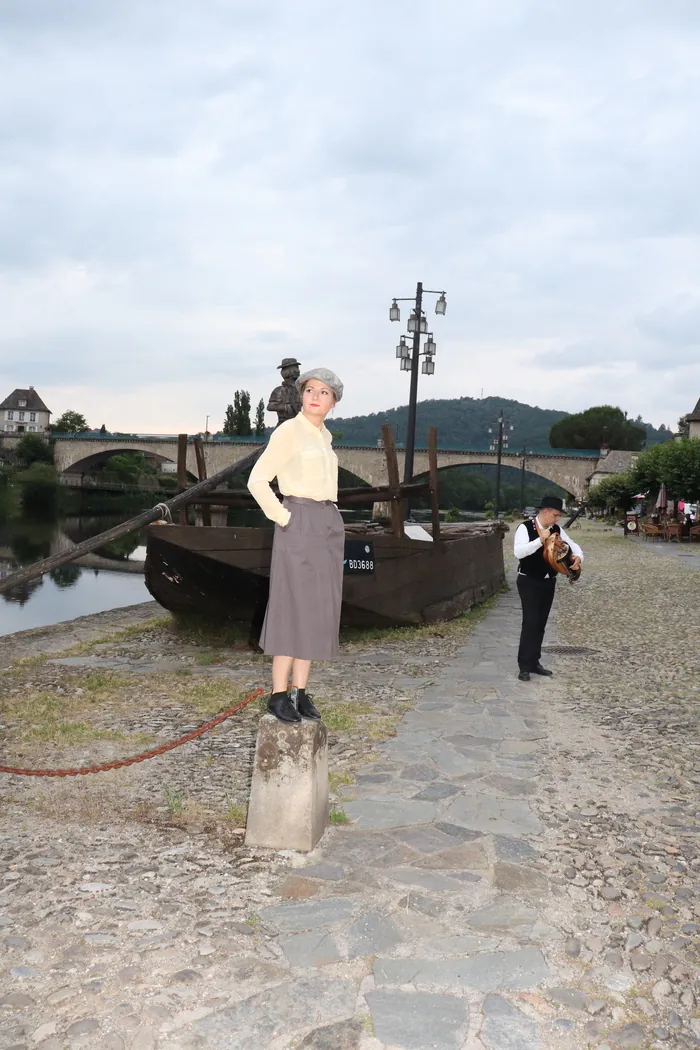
(519, 873)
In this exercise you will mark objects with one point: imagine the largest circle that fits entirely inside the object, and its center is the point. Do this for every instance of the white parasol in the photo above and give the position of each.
(662, 498)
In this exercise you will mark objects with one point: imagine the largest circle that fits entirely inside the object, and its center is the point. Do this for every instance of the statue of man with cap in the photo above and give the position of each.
(285, 399)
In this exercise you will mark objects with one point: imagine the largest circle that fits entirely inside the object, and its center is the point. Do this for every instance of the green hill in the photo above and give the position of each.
(463, 422)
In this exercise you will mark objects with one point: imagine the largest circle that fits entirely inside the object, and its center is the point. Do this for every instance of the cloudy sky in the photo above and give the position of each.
(192, 189)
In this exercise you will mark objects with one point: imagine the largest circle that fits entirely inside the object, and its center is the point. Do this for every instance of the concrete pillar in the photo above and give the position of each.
(288, 806)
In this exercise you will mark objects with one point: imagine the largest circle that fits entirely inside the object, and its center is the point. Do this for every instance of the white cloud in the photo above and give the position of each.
(191, 190)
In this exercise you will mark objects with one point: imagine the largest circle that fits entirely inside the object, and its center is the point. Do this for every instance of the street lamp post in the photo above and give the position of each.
(497, 445)
(409, 359)
(522, 479)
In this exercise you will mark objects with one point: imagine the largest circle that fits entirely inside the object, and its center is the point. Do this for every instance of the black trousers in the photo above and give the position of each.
(536, 598)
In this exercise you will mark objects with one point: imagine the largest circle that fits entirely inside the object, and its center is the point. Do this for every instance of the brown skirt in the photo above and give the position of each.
(306, 582)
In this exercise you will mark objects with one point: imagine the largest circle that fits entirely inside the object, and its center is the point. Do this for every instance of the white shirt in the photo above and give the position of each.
(523, 546)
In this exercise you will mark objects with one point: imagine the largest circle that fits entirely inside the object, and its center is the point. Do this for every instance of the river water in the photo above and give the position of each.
(110, 579)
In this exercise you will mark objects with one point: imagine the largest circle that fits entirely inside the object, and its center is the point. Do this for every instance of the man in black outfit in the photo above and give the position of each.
(536, 581)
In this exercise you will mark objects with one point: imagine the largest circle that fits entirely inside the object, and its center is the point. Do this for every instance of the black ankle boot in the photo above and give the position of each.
(305, 705)
(282, 707)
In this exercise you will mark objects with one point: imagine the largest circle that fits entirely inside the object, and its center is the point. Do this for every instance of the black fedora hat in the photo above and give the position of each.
(551, 503)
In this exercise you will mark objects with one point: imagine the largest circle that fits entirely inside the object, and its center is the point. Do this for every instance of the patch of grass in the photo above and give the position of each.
(338, 780)
(37, 707)
(343, 714)
(81, 733)
(212, 695)
(206, 659)
(101, 683)
(200, 631)
(236, 813)
(360, 636)
(174, 800)
(132, 631)
(26, 662)
(655, 902)
(383, 728)
(338, 816)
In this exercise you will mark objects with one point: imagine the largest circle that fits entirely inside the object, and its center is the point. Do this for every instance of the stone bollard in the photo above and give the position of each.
(288, 806)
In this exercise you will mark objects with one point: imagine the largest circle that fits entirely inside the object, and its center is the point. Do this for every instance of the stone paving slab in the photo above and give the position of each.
(418, 1021)
(487, 971)
(297, 1004)
(379, 814)
(507, 1028)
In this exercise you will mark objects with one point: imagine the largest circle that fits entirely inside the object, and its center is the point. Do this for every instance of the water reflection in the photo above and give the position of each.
(66, 575)
(110, 577)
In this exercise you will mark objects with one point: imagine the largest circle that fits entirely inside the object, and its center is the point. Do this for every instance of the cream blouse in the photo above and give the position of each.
(300, 456)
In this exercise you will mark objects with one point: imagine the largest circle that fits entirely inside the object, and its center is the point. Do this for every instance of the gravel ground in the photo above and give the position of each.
(97, 700)
(623, 806)
(130, 914)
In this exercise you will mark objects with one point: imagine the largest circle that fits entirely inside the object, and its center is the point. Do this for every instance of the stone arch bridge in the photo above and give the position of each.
(78, 454)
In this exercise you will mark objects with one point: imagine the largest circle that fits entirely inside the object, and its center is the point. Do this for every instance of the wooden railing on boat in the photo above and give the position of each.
(395, 493)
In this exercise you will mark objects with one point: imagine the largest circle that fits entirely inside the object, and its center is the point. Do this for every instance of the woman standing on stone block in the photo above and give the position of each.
(302, 620)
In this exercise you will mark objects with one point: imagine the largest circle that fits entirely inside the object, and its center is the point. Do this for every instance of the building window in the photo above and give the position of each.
(21, 415)
(32, 417)
(10, 414)
(31, 430)
(22, 404)
(9, 428)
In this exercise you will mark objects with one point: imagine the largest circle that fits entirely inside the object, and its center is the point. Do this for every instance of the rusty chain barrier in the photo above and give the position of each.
(118, 763)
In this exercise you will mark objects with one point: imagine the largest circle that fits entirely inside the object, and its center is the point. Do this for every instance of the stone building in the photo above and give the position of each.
(23, 412)
(694, 422)
(612, 461)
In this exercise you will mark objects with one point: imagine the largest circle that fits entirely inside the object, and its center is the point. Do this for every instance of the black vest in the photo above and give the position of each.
(534, 564)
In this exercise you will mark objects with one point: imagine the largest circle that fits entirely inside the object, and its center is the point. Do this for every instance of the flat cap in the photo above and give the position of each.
(325, 376)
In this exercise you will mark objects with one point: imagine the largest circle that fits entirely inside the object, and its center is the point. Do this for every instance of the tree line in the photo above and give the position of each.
(675, 464)
(237, 419)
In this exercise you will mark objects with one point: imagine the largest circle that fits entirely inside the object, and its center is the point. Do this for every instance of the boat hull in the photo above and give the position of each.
(224, 573)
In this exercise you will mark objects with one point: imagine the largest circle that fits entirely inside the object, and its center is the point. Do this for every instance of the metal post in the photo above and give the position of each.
(498, 463)
(413, 396)
(522, 481)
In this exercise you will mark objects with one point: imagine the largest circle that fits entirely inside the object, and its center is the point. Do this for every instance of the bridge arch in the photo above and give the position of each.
(509, 476)
(95, 459)
(570, 471)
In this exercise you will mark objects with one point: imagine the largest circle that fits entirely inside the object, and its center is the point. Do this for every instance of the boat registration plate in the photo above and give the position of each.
(359, 558)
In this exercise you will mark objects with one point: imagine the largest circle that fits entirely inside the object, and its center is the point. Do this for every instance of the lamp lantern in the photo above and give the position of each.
(441, 305)
(394, 312)
(402, 350)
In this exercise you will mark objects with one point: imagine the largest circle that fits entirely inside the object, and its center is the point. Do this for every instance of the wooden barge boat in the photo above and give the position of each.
(224, 572)
(394, 575)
